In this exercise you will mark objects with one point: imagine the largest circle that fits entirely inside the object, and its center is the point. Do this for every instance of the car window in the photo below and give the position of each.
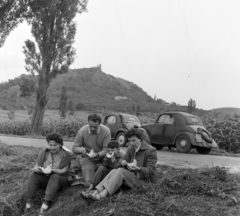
(131, 119)
(195, 120)
(166, 119)
(111, 120)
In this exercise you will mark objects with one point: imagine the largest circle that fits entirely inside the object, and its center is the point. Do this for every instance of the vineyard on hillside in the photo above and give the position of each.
(225, 132)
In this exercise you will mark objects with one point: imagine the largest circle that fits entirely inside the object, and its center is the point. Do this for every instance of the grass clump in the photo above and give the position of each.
(172, 192)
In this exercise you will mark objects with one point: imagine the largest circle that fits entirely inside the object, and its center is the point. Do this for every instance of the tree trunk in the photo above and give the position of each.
(41, 102)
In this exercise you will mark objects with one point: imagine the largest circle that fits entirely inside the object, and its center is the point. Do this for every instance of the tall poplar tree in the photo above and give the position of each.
(51, 53)
(191, 106)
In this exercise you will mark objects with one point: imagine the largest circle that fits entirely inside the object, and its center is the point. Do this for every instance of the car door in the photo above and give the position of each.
(111, 122)
(163, 130)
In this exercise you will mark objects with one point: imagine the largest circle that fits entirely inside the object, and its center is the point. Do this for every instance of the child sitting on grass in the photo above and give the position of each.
(110, 161)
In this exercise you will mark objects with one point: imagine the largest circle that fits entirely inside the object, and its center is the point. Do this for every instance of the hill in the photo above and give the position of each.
(90, 88)
(225, 111)
(96, 89)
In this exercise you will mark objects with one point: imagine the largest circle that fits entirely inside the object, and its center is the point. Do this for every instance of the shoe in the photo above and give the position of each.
(42, 212)
(84, 195)
(96, 197)
(43, 209)
(27, 211)
(80, 182)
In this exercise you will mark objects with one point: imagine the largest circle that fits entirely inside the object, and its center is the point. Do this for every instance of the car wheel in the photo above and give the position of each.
(183, 144)
(121, 139)
(202, 150)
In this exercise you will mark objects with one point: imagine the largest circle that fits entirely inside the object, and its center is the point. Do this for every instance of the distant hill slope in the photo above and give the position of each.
(227, 111)
(96, 89)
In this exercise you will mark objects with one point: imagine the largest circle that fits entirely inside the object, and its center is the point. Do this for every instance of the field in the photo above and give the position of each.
(49, 115)
(174, 192)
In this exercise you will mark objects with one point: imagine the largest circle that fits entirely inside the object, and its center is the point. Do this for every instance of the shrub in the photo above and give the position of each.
(80, 106)
(15, 127)
(66, 127)
(225, 132)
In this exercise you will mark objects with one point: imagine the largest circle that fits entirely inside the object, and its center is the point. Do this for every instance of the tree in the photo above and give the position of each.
(80, 106)
(71, 105)
(13, 94)
(155, 98)
(63, 103)
(138, 110)
(12, 12)
(52, 52)
(27, 85)
(191, 106)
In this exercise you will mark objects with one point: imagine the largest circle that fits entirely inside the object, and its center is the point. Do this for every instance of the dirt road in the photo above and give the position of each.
(164, 156)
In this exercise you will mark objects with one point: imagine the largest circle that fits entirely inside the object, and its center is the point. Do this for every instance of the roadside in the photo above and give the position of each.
(165, 157)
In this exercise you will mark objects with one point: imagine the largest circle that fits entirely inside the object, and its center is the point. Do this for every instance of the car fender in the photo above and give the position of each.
(189, 135)
(195, 143)
(206, 144)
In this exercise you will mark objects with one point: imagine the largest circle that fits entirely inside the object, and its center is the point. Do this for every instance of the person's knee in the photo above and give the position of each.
(55, 177)
(119, 171)
(32, 176)
(102, 168)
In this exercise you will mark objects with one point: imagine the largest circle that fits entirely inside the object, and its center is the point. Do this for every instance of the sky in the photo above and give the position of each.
(174, 49)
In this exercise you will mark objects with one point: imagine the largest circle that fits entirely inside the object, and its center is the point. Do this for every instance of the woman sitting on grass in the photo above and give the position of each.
(50, 172)
(137, 164)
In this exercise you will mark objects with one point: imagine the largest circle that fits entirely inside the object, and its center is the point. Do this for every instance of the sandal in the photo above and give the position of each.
(43, 209)
(84, 195)
(96, 197)
(88, 191)
(42, 212)
(93, 192)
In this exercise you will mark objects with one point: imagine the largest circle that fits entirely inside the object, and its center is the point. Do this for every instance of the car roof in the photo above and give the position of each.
(181, 113)
(123, 114)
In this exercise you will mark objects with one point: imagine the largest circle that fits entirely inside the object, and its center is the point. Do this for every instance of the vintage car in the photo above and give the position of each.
(181, 130)
(119, 123)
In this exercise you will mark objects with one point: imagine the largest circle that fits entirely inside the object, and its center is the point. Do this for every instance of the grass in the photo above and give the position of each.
(180, 192)
(214, 151)
(49, 114)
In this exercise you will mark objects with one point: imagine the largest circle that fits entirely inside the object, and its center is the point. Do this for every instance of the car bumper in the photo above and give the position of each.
(198, 141)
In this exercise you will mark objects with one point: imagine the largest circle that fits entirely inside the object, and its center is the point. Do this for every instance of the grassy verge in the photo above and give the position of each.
(180, 192)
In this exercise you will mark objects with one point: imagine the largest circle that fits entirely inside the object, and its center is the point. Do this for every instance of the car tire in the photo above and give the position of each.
(183, 144)
(202, 150)
(121, 138)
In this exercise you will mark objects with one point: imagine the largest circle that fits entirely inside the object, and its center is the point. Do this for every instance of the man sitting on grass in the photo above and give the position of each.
(110, 161)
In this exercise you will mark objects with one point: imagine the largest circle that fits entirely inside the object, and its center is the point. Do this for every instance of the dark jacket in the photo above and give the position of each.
(146, 159)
